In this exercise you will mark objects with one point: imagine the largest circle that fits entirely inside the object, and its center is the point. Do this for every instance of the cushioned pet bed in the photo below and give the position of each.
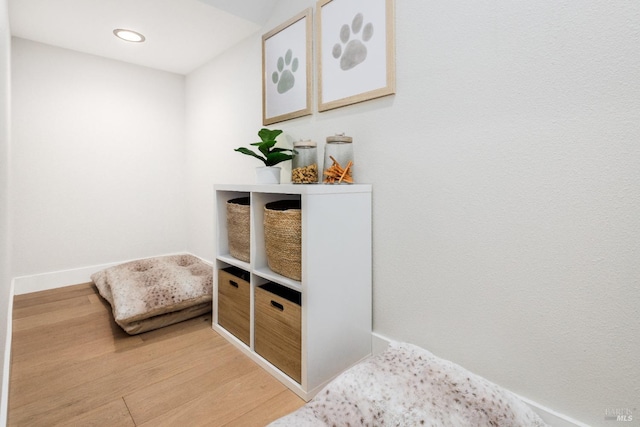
(156, 292)
(408, 386)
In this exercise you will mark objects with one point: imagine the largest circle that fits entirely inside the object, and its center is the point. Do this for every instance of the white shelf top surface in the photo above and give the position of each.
(296, 188)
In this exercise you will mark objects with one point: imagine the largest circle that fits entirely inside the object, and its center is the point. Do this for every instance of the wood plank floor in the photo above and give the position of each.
(72, 365)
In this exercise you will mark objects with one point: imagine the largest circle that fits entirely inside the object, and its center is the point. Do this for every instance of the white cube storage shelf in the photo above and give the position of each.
(336, 275)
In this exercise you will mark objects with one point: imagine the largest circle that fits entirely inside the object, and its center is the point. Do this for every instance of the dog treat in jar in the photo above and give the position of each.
(304, 167)
(338, 160)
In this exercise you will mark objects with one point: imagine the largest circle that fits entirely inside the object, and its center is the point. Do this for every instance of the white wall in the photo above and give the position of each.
(219, 119)
(506, 175)
(5, 273)
(98, 160)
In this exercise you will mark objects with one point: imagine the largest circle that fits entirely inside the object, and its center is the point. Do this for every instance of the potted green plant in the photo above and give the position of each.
(270, 155)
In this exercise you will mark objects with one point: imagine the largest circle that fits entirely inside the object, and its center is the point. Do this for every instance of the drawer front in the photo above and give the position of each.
(278, 332)
(234, 305)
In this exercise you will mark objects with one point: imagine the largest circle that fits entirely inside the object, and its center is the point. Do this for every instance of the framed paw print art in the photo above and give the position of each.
(355, 51)
(287, 70)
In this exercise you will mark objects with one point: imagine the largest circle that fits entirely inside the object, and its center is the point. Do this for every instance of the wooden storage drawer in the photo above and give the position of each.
(233, 302)
(277, 328)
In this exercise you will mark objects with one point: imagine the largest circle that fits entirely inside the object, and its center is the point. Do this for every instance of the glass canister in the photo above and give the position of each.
(338, 160)
(304, 167)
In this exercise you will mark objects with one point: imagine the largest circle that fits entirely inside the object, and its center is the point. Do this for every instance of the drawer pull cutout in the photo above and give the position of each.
(277, 305)
(234, 284)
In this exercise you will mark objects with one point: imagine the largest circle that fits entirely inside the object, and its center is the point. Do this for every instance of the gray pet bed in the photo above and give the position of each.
(155, 292)
(408, 386)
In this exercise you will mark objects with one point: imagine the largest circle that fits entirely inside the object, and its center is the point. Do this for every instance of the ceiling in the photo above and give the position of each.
(181, 35)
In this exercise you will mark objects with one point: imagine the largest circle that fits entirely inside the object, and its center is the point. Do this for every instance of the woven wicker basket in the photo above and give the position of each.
(238, 228)
(283, 237)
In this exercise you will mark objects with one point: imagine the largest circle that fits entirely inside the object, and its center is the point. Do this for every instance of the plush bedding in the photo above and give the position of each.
(155, 292)
(408, 386)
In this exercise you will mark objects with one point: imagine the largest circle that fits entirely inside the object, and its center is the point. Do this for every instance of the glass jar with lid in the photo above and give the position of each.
(338, 160)
(304, 167)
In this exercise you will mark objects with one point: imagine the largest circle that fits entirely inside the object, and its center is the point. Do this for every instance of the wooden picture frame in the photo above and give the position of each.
(287, 69)
(355, 51)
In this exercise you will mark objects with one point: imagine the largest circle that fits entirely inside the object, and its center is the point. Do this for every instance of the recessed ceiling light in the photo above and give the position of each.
(128, 35)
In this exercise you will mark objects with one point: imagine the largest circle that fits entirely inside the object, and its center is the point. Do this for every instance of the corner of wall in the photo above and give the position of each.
(4, 394)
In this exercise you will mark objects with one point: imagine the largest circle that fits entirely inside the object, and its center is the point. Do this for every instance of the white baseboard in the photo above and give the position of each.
(56, 279)
(6, 368)
(379, 343)
(59, 279)
(550, 416)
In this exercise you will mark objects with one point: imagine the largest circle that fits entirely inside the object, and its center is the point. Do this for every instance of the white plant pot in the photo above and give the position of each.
(268, 175)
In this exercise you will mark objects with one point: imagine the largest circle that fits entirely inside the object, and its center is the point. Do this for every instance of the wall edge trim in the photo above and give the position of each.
(58, 279)
(6, 368)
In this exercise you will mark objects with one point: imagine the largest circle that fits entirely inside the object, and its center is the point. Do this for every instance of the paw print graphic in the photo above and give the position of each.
(353, 51)
(284, 77)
